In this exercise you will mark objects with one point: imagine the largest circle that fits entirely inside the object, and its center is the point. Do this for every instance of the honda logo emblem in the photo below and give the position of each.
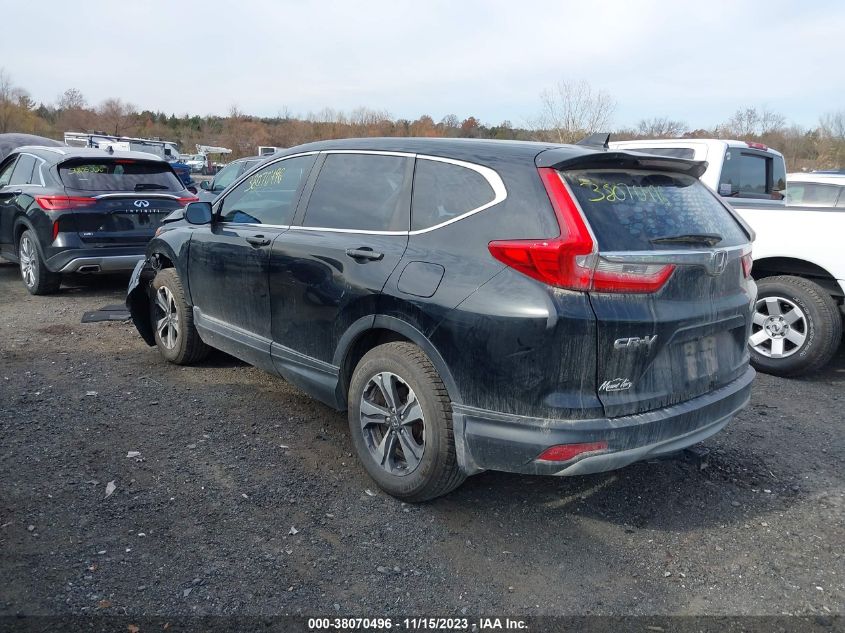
(718, 262)
(142, 203)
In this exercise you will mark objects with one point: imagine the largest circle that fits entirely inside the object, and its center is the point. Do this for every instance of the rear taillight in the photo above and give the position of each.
(570, 260)
(62, 203)
(565, 452)
(747, 264)
(754, 145)
(55, 229)
(188, 200)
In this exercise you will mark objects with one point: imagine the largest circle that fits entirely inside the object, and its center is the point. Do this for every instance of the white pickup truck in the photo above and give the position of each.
(799, 255)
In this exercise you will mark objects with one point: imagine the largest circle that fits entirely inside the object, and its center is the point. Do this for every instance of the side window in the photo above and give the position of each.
(226, 176)
(268, 196)
(6, 173)
(841, 202)
(795, 193)
(367, 192)
(750, 175)
(443, 191)
(820, 195)
(22, 174)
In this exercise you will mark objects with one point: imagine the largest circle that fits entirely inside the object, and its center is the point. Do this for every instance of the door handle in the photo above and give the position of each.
(258, 240)
(364, 253)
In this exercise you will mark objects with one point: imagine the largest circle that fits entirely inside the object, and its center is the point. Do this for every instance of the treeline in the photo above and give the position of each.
(567, 113)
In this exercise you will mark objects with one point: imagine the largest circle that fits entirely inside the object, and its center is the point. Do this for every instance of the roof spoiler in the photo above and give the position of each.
(593, 158)
(599, 139)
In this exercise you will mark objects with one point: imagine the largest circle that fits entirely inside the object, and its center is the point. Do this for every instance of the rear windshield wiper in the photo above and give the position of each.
(708, 239)
(146, 186)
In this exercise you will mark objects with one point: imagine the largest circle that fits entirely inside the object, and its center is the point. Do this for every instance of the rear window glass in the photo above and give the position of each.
(752, 175)
(629, 209)
(118, 175)
(443, 191)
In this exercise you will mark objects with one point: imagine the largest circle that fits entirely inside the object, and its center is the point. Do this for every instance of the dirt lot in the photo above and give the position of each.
(245, 499)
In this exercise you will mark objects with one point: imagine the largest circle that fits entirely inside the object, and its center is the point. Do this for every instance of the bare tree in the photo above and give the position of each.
(14, 104)
(750, 122)
(71, 99)
(572, 110)
(117, 114)
(831, 141)
(661, 127)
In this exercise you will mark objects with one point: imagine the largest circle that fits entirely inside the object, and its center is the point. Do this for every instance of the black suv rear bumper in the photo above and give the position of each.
(97, 260)
(495, 441)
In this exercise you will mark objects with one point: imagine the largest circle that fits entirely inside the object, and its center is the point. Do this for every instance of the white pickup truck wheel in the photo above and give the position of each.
(796, 326)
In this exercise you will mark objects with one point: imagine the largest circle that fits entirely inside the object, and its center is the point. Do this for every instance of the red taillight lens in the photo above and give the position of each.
(570, 260)
(754, 145)
(188, 200)
(747, 264)
(61, 203)
(565, 452)
(55, 229)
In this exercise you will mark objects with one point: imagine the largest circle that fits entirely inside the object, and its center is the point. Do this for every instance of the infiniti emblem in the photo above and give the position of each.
(718, 262)
(142, 203)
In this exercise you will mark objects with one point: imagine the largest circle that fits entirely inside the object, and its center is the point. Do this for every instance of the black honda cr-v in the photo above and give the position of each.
(474, 305)
(79, 210)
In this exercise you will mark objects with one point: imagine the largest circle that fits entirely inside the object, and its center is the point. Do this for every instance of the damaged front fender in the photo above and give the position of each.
(138, 298)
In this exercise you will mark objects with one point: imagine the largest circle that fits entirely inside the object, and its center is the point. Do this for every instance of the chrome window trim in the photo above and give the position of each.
(492, 177)
(361, 231)
(376, 152)
(500, 192)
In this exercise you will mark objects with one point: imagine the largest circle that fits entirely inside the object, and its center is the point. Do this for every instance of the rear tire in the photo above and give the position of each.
(172, 320)
(36, 277)
(797, 327)
(404, 437)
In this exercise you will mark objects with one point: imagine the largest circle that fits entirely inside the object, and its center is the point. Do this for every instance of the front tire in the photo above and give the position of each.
(37, 278)
(172, 320)
(400, 419)
(796, 329)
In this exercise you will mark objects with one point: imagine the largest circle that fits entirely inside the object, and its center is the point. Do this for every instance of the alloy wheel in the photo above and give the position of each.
(393, 424)
(779, 327)
(167, 317)
(29, 261)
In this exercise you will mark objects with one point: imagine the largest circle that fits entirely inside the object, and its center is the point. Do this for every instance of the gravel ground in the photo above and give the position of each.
(242, 497)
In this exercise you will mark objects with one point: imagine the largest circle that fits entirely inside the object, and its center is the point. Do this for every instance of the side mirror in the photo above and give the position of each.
(198, 213)
(205, 184)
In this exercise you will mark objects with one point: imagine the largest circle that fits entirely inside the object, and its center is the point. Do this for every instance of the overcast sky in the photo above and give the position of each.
(693, 61)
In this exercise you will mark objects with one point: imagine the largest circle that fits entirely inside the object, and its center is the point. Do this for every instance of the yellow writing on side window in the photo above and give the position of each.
(266, 179)
(87, 169)
(621, 192)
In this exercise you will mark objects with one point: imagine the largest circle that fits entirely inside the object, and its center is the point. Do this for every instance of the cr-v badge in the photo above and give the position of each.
(635, 342)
